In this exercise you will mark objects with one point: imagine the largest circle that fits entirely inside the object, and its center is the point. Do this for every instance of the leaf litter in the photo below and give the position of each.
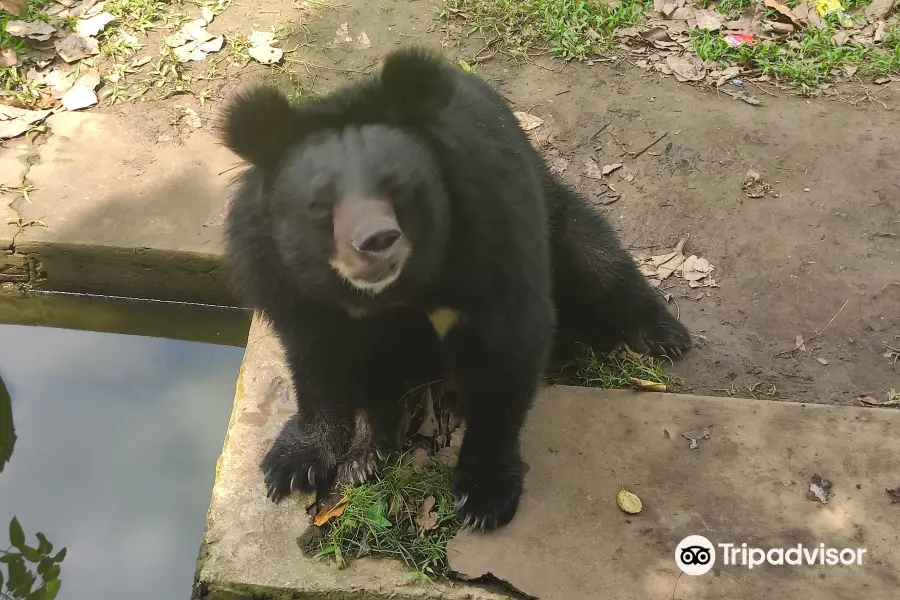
(695, 270)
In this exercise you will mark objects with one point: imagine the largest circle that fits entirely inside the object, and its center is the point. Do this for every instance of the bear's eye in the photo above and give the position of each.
(321, 198)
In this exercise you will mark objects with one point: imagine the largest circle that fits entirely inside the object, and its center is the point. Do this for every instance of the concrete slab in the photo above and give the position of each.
(124, 211)
(249, 546)
(747, 483)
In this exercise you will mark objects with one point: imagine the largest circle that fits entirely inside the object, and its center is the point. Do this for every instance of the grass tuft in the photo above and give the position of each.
(381, 518)
(611, 371)
(571, 29)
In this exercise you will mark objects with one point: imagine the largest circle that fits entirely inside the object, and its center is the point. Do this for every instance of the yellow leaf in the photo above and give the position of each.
(331, 512)
(646, 385)
(628, 502)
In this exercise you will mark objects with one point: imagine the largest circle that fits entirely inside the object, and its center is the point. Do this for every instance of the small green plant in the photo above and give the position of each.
(612, 371)
(38, 580)
(384, 518)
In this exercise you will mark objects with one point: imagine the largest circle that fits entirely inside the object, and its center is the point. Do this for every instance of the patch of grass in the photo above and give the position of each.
(730, 6)
(139, 15)
(807, 62)
(381, 518)
(571, 29)
(611, 371)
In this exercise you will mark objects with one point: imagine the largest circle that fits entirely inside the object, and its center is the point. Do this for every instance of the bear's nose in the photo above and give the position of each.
(375, 238)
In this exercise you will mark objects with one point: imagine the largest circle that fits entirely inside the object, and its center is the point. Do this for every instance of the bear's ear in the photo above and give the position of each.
(260, 125)
(416, 82)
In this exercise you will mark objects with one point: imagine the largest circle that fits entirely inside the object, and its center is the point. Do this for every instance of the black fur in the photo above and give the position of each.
(493, 233)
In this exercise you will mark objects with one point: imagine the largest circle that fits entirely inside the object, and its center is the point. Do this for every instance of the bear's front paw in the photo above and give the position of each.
(487, 487)
(667, 337)
(304, 457)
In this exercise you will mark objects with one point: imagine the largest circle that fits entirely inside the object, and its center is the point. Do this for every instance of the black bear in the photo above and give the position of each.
(402, 226)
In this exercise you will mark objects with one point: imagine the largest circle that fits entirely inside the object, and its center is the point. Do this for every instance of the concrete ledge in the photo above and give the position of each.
(250, 547)
(746, 482)
(116, 209)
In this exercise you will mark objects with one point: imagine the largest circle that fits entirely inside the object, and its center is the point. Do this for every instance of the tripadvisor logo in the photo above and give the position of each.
(696, 555)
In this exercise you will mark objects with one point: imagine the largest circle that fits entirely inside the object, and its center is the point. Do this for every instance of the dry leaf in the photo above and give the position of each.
(819, 489)
(14, 7)
(418, 460)
(883, 80)
(709, 20)
(262, 50)
(196, 30)
(754, 186)
(93, 25)
(646, 385)
(695, 268)
(8, 58)
(191, 118)
(878, 9)
(784, 10)
(893, 399)
(363, 42)
(629, 502)
(81, 94)
(592, 170)
(429, 425)
(686, 68)
(558, 164)
(16, 121)
(607, 169)
(528, 121)
(330, 512)
(427, 518)
(35, 30)
(821, 360)
(342, 35)
(695, 435)
(207, 14)
(76, 47)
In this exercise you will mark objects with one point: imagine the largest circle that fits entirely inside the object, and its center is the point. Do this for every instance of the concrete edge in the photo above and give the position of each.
(136, 272)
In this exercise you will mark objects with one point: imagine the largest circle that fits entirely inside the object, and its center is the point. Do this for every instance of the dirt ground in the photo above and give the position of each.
(823, 256)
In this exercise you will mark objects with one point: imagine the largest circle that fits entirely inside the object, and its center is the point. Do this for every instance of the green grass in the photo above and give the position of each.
(810, 61)
(571, 29)
(730, 6)
(611, 371)
(381, 519)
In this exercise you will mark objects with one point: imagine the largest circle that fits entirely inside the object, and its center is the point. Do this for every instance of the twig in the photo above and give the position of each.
(653, 143)
(625, 150)
(601, 130)
(884, 287)
(818, 333)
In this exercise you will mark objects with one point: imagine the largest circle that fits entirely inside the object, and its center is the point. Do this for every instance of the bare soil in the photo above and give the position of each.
(786, 265)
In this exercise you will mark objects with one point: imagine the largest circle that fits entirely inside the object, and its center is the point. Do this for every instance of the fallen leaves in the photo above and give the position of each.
(647, 385)
(755, 187)
(331, 512)
(76, 47)
(695, 435)
(819, 489)
(81, 94)
(629, 502)
(16, 121)
(527, 121)
(427, 518)
(264, 48)
(686, 67)
(693, 269)
(193, 42)
(892, 399)
(33, 30)
(894, 494)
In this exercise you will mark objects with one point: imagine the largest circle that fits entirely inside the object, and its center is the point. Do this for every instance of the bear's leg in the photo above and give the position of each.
(404, 354)
(327, 353)
(601, 296)
(497, 360)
